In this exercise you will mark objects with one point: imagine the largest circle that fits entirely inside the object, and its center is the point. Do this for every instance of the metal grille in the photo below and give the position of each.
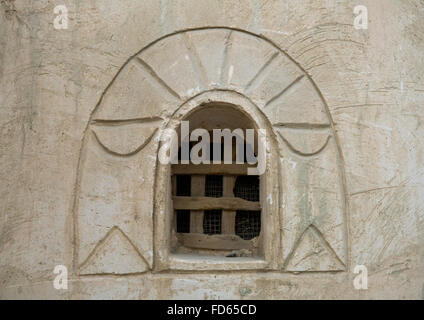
(213, 186)
(247, 187)
(183, 221)
(212, 221)
(183, 185)
(248, 224)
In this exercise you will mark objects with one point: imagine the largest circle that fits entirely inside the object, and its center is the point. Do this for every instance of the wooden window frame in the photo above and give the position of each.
(270, 245)
(197, 203)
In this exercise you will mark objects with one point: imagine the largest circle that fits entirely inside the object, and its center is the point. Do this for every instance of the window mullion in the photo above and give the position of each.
(196, 216)
(228, 216)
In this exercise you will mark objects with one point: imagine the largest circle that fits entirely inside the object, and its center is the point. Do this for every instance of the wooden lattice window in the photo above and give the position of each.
(217, 207)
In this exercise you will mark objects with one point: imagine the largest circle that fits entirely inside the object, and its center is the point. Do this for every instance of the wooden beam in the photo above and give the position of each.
(216, 241)
(209, 203)
(223, 169)
(197, 190)
(228, 216)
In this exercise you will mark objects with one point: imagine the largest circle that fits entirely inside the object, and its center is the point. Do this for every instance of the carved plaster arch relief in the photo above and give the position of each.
(119, 216)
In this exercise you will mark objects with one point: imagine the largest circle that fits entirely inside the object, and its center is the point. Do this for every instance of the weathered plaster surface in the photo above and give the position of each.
(51, 81)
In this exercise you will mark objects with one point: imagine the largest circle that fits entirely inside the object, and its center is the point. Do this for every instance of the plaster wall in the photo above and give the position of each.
(365, 87)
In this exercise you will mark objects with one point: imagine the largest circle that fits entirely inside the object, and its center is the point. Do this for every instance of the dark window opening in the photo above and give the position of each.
(183, 185)
(248, 224)
(213, 186)
(212, 221)
(247, 188)
(183, 221)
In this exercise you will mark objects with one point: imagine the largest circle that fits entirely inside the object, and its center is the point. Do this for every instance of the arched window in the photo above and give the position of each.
(217, 207)
(219, 216)
(124, 203)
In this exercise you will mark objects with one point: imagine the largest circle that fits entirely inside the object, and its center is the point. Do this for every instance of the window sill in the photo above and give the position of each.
(192, 262)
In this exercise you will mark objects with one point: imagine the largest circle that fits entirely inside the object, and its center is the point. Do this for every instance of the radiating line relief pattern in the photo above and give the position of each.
(115, 185)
